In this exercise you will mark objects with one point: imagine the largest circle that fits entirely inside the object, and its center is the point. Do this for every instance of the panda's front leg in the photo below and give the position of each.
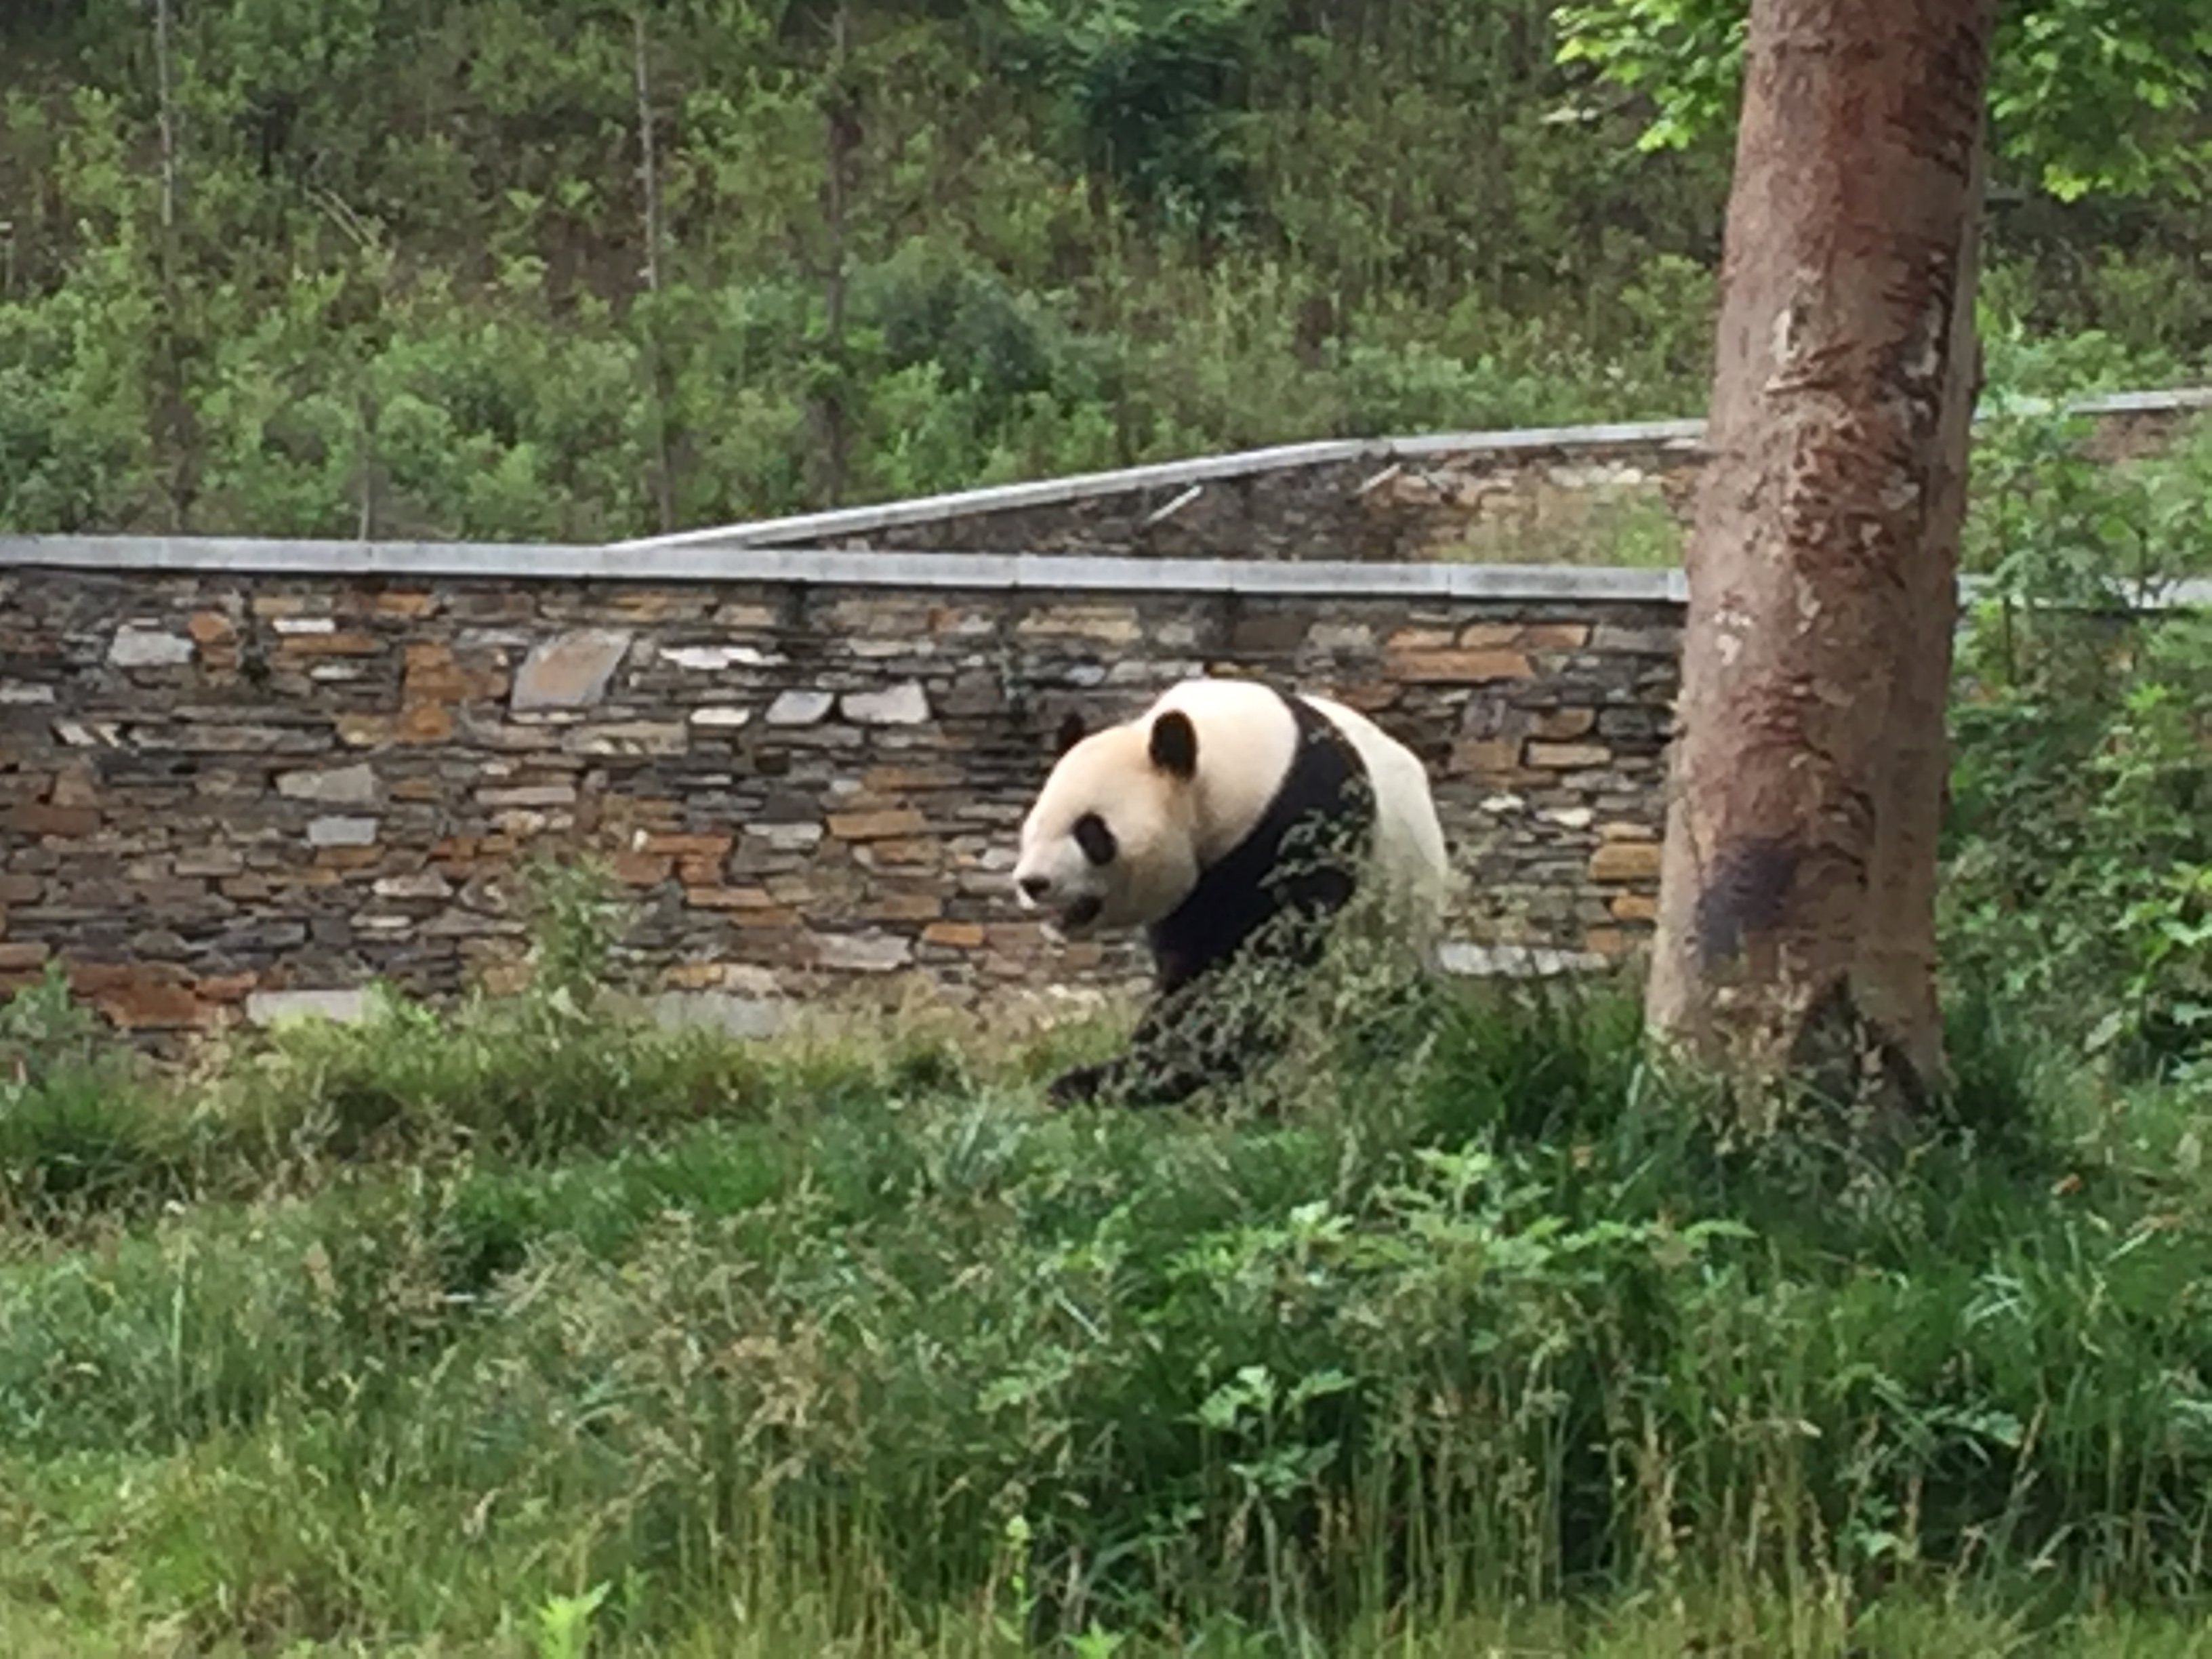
(1080, 1086)
(1142, 1076)
(1188, 1039)
(1129, 1081)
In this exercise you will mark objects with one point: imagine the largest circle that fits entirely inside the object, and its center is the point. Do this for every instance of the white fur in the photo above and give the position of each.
(1170, 832)
(1246, 738)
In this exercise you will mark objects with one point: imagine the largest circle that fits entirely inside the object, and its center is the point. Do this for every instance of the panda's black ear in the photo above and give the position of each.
(1175, 744)
(1071, 730)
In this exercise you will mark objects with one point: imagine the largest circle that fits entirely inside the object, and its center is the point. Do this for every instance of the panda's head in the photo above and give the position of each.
(1111, 842)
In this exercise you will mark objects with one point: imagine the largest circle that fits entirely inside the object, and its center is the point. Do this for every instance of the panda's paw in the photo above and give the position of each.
(1078, 1087)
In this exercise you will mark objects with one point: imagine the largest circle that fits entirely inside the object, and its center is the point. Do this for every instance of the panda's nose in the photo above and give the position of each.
(1035, 887)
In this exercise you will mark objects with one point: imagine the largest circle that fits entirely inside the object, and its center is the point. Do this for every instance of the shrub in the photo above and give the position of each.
(2079, 836)
(79, 1129)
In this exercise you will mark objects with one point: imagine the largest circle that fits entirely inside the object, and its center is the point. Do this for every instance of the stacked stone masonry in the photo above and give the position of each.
(217, 787)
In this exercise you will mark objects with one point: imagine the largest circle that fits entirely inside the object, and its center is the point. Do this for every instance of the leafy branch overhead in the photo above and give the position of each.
(2087, 96)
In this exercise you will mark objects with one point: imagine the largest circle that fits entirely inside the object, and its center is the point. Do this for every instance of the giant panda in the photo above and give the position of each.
(1234, 823)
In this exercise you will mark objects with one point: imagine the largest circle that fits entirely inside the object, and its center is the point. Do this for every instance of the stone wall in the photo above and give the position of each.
(237, 773)
(226, 785)
(1572, 494)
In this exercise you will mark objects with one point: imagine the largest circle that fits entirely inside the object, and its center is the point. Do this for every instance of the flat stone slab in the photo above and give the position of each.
(571, 672)
(343, 786)
(136, 647)
(1514, 960)
(903, 704)
(723, 1010)
(269, 1007)
(342, 831)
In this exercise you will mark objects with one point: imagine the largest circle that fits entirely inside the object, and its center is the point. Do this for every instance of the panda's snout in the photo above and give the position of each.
(1033, 888)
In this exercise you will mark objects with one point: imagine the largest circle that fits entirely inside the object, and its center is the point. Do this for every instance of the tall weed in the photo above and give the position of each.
(76, 1128)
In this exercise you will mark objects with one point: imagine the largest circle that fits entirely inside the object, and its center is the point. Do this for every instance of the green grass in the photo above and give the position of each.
(388, 1339)
(1615, 527)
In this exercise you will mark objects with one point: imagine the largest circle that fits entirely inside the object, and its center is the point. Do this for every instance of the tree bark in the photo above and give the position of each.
(1797, 926)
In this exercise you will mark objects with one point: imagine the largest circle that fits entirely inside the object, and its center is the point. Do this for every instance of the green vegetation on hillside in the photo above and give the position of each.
(400, 267)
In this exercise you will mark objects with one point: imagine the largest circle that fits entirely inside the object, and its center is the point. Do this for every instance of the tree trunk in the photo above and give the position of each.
(656, 354)
(176, 422)
(1797, 925)
(841, 110)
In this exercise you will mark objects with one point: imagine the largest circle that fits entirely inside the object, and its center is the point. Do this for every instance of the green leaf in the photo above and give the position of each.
(2086, 96)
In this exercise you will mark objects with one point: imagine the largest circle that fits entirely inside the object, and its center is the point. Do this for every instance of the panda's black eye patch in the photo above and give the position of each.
(1095, 840)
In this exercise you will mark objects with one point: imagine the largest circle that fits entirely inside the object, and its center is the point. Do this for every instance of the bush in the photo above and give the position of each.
(2080, 839)
(79, 1129)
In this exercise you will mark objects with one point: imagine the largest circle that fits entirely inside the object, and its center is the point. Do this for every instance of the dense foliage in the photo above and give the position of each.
(2078, 872)
(2110, 95)
(404, 268)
